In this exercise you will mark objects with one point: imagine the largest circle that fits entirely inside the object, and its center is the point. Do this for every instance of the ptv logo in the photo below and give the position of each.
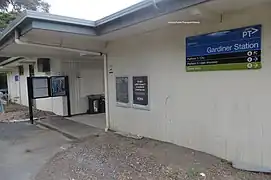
(249, 32)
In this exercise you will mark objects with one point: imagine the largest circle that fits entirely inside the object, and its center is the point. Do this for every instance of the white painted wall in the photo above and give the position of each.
(13, 86)
(23, 86)
(224, 113)
(18, 90)
(85, 78)
(91, 78)
(90, 82)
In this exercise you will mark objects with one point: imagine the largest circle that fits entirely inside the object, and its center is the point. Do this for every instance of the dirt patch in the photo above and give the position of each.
(110, 156)
(18, 112)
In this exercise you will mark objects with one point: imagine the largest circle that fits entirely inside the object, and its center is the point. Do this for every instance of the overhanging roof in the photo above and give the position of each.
(141, 12)
(53, 31)
(137, 13)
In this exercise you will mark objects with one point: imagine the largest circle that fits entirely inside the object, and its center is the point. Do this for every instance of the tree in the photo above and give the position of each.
(10, 8)
(6, 18)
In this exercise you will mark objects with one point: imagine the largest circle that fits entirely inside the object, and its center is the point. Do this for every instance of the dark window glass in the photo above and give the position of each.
(21, 70)
(122, 89)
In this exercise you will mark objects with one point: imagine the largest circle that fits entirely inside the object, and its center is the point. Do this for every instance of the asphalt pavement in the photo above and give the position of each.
(25, 149)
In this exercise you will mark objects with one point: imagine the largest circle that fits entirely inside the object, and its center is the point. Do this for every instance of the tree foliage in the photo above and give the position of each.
(6, 18)
(10, 8)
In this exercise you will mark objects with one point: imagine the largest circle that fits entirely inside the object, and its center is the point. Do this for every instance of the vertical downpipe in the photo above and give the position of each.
(20, 89)
(106, 93)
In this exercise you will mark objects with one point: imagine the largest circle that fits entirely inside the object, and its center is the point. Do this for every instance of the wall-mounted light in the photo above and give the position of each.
(195, 12)
(83, 54)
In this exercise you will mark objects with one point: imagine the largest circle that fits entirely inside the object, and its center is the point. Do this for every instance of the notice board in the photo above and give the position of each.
(40, 87)
(58, 86)
(140, 90)
(234, 49)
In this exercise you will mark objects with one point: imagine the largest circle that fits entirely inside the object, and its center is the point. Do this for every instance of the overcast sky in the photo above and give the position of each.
(88, 9)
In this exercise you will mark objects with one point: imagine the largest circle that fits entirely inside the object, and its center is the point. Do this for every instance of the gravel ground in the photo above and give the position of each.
(18, 112)
(113, 157)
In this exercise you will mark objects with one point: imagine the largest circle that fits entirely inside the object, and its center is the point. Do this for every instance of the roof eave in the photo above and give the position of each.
(125, 11)
(122, 19)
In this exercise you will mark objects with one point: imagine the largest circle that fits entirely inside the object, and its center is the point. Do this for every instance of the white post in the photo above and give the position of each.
(106, 93)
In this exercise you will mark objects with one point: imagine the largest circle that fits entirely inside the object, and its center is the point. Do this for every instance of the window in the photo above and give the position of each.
(43, 65)
(21, 70)
(31, 70)
(122, 90)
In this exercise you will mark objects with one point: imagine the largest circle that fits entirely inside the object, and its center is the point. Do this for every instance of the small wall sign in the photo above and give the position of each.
(17, 78)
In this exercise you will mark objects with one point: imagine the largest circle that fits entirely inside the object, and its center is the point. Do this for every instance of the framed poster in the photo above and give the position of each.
(40, 87)
(140, 92)
(233, 49)
(58, 86)
(122, 90)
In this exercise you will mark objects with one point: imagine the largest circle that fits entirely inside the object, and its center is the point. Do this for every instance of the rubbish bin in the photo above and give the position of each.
(102, 104)
(94, 104)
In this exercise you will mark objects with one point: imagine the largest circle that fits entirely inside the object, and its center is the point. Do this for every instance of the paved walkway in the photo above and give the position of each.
(94, 120)
(25, 148)
(69, 128)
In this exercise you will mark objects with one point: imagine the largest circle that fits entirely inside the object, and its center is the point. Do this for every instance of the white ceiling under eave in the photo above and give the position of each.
(5, 70)
(56, 39)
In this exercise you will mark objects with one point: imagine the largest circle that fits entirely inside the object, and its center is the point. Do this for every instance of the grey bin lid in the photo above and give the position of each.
(96, 96)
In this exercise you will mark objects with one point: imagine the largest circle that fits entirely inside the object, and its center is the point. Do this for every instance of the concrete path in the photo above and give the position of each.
(94, 120)
(69, 128)
(25, 149)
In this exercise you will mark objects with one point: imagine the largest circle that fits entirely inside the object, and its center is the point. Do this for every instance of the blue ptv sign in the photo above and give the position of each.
(225, 50)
